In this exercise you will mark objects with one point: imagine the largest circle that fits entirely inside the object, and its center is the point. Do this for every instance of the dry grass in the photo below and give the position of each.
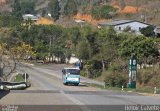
(45, 21)
(88, 18)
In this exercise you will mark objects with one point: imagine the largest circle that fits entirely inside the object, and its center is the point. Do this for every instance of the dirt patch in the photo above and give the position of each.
(126, 9)
(131, 9)
(44, 21)
(88, 18)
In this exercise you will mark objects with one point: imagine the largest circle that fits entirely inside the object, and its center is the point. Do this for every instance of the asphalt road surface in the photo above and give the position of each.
(47, 93)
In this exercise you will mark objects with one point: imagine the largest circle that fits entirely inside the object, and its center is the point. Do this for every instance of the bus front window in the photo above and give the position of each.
(73, 71)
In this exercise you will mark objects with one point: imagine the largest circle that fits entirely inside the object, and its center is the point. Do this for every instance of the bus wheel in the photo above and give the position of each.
(65, 83)
(76, 84)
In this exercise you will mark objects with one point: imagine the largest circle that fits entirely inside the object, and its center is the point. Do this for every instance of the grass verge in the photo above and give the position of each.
(137, 90)
(19, 78)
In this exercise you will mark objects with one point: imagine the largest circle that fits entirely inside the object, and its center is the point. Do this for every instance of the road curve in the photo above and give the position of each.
(47, 89)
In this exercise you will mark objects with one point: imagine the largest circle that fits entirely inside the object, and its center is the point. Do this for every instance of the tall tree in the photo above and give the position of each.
(54, 9)
(83, 50)
(17, 9)
(70, 8)
(75, 36)
(108, 43)
(28, 7)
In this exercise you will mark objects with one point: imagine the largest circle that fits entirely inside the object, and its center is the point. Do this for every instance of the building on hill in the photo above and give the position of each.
(132, 26)
(30, 16)
(38, 20)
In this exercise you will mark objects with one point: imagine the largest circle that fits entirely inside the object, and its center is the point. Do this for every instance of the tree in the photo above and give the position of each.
(83, 50)
(27, 7)
(108, 44)
(75, 36)
(138, 47)
(58, 51)
(148, 31)
(11, 56)
(70, 8)
(21, 7)
(103, 12)
(17, 9)
(54, 9)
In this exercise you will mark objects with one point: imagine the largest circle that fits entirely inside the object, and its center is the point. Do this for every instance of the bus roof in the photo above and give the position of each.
(71, 68)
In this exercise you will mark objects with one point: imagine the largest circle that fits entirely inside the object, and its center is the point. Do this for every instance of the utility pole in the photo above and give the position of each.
(50, 43)
(1, 71)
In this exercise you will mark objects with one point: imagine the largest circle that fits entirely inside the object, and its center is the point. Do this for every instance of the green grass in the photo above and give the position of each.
(18, 78)
(138, 89)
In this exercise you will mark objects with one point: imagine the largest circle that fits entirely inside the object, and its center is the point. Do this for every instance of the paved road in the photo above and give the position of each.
(47, 89)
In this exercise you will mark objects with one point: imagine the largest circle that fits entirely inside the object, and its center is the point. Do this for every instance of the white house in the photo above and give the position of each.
(30, 16)
(120, 25)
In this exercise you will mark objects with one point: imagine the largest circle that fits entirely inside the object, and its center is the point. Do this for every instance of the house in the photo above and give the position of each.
(121, 25)
(30, 16)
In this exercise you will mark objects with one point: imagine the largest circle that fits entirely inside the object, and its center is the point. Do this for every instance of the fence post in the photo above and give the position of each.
(122, 88)
(104, 85)
(155, 90)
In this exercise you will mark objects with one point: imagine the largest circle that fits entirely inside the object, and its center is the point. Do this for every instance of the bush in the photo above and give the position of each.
(148, 31)
(119, 65)
(94, 73)
(110, 80)
(127, 29)
(83, 73)
(120, 81)
(116, 80)
(149, 76)
(93, 68)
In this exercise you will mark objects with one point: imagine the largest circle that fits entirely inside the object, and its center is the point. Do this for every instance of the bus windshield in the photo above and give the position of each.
(73, 71)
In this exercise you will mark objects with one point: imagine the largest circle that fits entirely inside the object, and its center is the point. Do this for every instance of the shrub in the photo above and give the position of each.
(148, 31)
(110, 80)
(127, 29)
(95, 73)
(93, 68)
(118, 65)
(83, 73)
(120, 81)
(149, 76)
(116, 80)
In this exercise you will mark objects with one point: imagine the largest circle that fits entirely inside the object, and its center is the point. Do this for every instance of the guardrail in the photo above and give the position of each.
(13, 86)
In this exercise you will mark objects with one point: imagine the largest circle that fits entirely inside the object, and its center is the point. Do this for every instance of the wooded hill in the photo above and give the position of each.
(142, 10)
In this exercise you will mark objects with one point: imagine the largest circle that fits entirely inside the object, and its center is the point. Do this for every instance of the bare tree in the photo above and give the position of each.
(10, 56)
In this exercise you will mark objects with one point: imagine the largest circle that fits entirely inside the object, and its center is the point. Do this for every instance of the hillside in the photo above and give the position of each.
(2, 1)
(142, 10)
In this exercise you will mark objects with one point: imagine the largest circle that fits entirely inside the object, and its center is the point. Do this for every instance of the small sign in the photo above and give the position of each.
(25, 76)
(132, 73)
(132, 64)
